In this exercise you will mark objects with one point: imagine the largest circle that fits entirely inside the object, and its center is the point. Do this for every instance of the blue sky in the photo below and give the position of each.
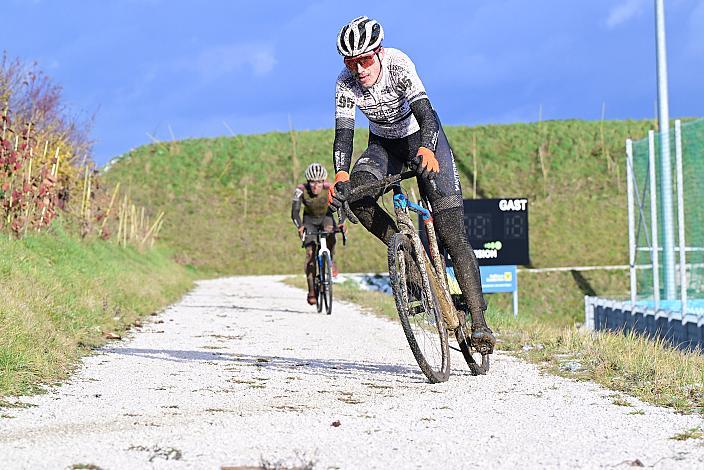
(144, 66)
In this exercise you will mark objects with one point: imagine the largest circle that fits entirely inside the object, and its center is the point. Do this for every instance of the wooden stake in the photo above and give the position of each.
(29, 167)
(541, 150)
(133, 221)
(112, 201)
(294, 155)
(604, 151)
(245, 201)
(4, 121)
(55, 166)
(152, 229)
(124, 228)
(156, 232)
(88, 194)
(474, 160)
(83, 193)
(119, 225)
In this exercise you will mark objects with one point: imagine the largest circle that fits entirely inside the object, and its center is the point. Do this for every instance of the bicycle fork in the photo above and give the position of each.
(323, 249)
(434, 270)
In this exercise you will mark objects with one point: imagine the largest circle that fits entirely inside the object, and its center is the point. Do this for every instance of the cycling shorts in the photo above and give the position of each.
(385, 157)
(315, 224)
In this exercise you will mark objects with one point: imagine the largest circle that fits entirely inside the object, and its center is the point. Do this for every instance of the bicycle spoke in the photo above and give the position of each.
(418, 311)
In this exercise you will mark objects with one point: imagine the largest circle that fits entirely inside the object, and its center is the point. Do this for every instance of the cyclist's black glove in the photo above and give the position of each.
(340, 192)
(425, 164)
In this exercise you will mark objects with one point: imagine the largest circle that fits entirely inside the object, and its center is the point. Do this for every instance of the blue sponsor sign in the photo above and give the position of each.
(498, 278)
(494, 279)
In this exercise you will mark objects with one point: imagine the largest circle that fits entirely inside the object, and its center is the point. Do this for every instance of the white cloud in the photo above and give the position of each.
(624, 11)
(219, 61)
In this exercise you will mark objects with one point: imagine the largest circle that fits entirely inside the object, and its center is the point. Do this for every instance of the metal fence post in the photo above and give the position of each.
(668, 235)
(631, 220)
(654, 219)
(515, 298)
(680, 216)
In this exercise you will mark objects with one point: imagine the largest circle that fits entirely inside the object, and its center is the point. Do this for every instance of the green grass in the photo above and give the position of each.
(650, 370)
(205, 184)
(60, 295)
(693, 433)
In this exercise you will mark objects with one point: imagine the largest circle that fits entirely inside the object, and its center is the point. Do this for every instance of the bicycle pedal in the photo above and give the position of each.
(416, 308)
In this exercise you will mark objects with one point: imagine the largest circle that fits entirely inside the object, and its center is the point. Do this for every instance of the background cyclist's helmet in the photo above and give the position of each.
(361, 35)
(316, 172)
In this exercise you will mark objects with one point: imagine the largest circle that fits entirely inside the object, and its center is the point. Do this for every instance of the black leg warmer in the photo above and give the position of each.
(449, 225)
(374, 218)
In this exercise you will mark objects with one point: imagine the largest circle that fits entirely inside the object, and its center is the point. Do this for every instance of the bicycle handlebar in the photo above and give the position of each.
(323, 233)
(384, 185)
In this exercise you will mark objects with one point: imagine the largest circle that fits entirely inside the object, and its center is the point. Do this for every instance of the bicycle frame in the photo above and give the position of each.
(435, 270)
(323, 244)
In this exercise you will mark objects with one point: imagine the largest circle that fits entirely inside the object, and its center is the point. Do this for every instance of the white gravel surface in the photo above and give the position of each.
(242, 372)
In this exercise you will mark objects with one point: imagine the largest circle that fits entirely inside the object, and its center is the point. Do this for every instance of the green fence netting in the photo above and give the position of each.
(692, 138)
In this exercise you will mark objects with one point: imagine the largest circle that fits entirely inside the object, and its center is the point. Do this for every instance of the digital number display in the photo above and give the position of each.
(515, 226)
(497, 229)
(479, 226)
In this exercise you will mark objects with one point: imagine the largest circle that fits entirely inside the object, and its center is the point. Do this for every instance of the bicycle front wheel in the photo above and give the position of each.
(326, 269)
(418, 309)
(319, 287)
(462, 333)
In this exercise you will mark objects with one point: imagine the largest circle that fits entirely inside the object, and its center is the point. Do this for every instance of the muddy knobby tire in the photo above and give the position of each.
(327, 283)
(319, 289)
(418, 310)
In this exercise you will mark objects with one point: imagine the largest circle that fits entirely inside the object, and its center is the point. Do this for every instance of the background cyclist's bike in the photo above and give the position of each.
(426, 307)
(323, 268)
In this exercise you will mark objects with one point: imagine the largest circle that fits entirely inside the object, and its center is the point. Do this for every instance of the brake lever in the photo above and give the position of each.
(348, 213)
(341, 222)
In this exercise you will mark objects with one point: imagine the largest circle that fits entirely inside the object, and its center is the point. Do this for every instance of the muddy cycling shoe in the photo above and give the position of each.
(483, 340)
(312, 300)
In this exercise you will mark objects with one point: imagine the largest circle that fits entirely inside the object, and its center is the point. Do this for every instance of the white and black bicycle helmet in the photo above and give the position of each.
(316, 172)
(359, 36)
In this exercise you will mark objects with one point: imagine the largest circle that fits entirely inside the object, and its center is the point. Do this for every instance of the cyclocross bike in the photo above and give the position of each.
(323, 267)
(426, 307)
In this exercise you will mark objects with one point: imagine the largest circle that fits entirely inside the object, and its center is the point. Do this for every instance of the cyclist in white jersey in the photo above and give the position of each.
(404, 130)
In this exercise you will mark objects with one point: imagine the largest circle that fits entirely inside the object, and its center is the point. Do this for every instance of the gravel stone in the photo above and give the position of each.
(242, 372)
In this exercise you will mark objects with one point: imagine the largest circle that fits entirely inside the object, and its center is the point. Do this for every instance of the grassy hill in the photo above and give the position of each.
(61, 296)
(227, 200)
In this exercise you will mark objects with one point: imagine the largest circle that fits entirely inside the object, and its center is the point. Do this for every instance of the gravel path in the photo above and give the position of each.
(241, 372)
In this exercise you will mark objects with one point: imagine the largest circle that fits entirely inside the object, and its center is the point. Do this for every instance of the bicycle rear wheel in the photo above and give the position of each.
(326, 271)
(418, 310)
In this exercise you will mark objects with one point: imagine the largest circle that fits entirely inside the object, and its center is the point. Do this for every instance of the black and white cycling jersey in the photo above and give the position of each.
(387, 104)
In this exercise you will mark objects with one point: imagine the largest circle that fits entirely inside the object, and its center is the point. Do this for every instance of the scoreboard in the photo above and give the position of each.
(497, 230)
